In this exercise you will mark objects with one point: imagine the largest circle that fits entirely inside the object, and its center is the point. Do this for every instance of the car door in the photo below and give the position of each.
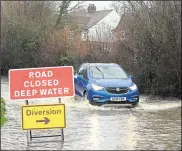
(84, 81)
(78, 80)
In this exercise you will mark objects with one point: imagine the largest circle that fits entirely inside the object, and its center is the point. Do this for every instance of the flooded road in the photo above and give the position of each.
(153, 125)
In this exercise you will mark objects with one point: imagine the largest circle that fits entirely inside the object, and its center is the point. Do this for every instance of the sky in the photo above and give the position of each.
(100, 5)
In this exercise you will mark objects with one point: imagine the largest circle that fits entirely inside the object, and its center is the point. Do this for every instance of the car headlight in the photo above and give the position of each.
(133, 87)
(96, 87)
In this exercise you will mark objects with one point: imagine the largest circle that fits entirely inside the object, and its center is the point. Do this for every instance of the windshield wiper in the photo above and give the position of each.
(100, 72)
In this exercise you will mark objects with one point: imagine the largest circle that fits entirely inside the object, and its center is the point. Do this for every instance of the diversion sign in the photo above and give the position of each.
(43, 116)
(46, 82)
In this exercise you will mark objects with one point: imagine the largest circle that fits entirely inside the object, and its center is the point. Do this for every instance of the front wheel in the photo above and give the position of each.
(85, 96)
(135, 104)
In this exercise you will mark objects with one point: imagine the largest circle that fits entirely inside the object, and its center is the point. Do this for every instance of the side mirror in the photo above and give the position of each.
(80, 76)
(131, 77)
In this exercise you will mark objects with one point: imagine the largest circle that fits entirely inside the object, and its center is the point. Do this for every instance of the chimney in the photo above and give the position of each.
(91, 8)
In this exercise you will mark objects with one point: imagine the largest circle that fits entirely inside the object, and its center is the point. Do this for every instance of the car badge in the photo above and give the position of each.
(117, 89)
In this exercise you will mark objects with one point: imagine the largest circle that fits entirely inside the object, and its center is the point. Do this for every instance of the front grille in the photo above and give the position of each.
(121, 102)
(117, 90)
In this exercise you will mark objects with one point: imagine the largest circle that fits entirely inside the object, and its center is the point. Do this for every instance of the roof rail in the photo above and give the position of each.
(84, 64)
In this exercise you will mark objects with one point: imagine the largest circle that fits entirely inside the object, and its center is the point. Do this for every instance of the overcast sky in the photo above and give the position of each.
(100, 5)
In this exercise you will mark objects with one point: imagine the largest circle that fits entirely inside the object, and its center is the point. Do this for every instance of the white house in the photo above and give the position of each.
(96, 25)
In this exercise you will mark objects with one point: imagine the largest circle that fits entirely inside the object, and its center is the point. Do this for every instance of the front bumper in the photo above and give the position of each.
(103, 97)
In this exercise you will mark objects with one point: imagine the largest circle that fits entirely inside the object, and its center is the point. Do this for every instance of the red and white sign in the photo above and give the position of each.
(46, 82)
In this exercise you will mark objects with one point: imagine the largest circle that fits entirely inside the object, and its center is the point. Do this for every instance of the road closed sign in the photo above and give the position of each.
(46, 82)
(43, 116)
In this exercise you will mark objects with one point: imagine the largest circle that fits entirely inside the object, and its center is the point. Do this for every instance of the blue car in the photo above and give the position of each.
(106, 84)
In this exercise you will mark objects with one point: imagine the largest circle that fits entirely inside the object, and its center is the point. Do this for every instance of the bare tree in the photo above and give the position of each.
(154, 37)
(64, 9)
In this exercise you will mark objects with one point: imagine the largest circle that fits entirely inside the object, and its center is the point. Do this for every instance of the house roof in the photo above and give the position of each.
(81, 20)
(87, 20)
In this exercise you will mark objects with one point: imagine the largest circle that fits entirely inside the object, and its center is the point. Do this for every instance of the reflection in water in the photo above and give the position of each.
(131, 132)
(117, 133)
(93, 131)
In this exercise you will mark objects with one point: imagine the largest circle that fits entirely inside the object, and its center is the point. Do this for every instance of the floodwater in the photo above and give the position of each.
(153, 125)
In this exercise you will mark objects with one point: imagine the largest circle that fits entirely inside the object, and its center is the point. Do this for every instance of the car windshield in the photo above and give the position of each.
(105, 72)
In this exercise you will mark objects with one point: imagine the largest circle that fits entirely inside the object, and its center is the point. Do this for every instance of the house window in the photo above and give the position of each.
(123, 35)
(71, 35)
(106, 47)
(84, 35)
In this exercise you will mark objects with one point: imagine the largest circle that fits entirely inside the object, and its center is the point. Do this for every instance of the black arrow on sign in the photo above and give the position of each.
(46, 120)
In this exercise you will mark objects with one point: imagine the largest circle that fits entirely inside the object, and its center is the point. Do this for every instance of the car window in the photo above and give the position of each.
(85, 73)
(95, 73)
(102, 72)
(80, 72)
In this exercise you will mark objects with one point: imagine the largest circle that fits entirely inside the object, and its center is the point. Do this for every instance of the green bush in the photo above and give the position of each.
(3, 111)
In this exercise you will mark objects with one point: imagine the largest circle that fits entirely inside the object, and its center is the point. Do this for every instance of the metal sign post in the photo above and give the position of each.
(28, 142)
(29, 132)
(62, 132)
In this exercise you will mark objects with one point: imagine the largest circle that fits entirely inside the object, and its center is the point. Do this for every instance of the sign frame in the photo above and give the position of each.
(23, 99)
(35, 105)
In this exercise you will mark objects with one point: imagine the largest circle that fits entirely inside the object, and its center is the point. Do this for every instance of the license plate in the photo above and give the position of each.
(118, 98)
